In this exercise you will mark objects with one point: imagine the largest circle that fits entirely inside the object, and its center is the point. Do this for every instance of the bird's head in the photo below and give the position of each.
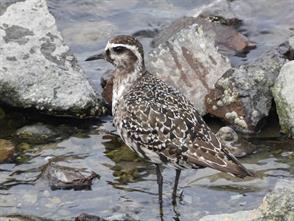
(123, 51)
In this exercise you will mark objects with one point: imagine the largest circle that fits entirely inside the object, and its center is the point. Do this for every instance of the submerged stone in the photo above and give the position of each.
(87, 217)
(37, 133)
(63, 177)
(237, 145)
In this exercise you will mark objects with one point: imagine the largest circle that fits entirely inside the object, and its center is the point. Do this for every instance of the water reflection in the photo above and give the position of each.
(129, 183)
(128, 168)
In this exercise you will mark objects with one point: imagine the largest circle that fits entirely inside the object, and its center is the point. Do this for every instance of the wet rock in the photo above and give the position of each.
(216, 8)
(284, 98)
(276, 206)
(63, 177)
(219, 29)
(187, 55)
(242, 96)
(38, 133)
(87, 217)
(237, 146)
(37, 69)
(22, 217)
(118, 217)
(6, 150)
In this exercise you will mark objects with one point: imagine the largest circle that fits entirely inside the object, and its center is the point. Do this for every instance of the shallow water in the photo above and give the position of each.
(127, 185)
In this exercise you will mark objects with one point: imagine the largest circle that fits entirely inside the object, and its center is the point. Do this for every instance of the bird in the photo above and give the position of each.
(157, 121)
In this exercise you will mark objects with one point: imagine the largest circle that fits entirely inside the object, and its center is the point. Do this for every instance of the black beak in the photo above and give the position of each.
(96, 57)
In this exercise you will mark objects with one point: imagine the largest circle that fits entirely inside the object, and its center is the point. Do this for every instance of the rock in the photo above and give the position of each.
(116, 217)
(254, 16)
(237, 146)
(6, 150)
(22, 217)
(87, 217)
(37, 69)
(219, 8)
(276, 206)
(279, 204)
(63, 177)
(242, 96)
(187, 57)
(284, 98)
(216, 28)
(38, 133)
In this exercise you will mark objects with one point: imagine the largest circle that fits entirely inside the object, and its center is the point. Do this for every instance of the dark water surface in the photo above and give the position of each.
(127, 186)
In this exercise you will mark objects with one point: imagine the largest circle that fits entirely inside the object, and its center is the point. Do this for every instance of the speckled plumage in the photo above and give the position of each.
(154, 116)
(157, 121)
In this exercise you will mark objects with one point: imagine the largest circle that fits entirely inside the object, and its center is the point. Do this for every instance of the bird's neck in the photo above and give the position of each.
(124, 77)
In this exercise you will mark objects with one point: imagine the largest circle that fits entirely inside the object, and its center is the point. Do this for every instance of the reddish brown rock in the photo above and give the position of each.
(242, 96)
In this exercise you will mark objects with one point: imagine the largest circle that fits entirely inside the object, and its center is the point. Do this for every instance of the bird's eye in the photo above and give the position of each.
(118, 49)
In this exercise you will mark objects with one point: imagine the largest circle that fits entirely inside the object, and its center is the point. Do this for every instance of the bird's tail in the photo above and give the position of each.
(236, 168)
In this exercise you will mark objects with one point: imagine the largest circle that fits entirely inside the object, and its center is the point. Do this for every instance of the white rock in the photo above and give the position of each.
(37, 69)
(284, 98)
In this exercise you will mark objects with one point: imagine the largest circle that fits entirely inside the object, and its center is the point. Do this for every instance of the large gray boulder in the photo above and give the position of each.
(37, 69)
(284, 98)
(276, 206)
(187, 55)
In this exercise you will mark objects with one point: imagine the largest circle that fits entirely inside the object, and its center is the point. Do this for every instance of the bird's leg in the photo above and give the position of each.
(159, 182)
(174, 196)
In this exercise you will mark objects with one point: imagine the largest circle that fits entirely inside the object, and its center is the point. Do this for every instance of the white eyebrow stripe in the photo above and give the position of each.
(133, 48)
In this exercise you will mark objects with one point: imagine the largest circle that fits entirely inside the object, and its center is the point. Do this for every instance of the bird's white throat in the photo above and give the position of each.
(121, 83)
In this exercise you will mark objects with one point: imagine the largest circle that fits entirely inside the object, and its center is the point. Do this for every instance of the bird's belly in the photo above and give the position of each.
(143, 152)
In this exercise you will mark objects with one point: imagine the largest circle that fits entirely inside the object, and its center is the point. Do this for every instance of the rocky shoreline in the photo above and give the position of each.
(196, 53)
